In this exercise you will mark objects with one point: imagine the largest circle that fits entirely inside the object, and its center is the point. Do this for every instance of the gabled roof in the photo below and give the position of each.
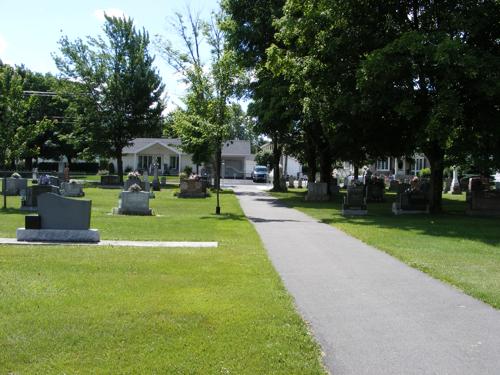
(140, 144)
(231, 148)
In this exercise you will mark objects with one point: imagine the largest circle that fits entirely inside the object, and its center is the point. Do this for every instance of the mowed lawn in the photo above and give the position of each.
(114, 310)
(461, 250)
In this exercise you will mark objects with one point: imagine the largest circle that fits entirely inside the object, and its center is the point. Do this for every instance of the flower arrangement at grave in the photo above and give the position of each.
(44, 180)
(135, 188)
(134, 174)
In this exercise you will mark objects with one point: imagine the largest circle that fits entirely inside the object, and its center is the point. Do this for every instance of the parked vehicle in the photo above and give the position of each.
(259, 173)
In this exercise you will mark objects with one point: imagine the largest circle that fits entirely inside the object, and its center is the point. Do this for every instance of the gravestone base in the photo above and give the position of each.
(354, 212)
(28, 208)
(120, 211)
(397, 210)
(58, 235)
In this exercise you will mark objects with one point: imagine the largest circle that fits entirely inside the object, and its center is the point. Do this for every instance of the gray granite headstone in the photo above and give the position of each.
(72, 189)
(59, 212)
(30, 200)
(133, 203)
(16, 186)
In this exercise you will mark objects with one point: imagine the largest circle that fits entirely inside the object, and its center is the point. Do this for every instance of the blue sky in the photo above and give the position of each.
(30, 30)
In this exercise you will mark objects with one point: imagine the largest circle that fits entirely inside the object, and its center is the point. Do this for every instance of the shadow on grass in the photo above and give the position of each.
(225, 216)
(451, 223)
(15, 211)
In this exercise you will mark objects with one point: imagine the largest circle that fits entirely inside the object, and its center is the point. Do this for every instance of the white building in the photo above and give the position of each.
(238, 161)
(290, 165)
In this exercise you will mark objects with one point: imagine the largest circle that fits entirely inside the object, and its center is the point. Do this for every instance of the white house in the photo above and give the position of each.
(238, 161)
(290, 165)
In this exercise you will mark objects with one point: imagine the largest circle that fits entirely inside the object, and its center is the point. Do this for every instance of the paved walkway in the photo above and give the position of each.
(371, 313)
(13, 241)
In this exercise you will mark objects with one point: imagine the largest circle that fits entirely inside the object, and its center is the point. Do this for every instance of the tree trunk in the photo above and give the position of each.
(356, 172)
(28, 163)
(326, 169)
(119, 167)
(276, 163)
(436, 189)
(311, 159)
(218, 167)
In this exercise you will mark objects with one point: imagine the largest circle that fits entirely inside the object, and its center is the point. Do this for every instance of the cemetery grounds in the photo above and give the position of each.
(97, 309)
(461, 250)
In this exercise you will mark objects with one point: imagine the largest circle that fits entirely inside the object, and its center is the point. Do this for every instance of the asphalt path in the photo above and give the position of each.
(371, 313)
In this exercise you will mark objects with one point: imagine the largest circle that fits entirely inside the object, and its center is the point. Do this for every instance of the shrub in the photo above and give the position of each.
(425, 173)
(128, 169)
(111, 168)
(188, 170)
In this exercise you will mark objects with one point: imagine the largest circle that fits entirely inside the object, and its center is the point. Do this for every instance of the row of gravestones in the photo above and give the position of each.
(17, 186)
(411, 198)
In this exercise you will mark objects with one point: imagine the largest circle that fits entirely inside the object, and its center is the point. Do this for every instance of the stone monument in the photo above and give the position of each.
(317, 191)
(355, 201)
(59, 219)
(72, 188)
(411, 199)
(156, 180)
(133, 202)
(455, 184)
(29, 202)
(192, 188)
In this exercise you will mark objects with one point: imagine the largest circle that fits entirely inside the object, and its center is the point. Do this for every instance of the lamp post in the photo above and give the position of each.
(217, 209)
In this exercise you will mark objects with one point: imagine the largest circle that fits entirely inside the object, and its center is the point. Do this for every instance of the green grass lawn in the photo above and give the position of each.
(115, 310)
(461, 250)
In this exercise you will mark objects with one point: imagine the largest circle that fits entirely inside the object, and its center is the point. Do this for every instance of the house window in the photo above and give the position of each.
(419, 164)
(383, 165)
(145, 161)
(174, 162)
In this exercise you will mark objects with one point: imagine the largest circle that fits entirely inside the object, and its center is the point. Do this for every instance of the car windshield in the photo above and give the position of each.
(260, 169)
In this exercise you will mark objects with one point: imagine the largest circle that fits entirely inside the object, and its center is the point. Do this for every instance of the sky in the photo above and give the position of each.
(30, 30)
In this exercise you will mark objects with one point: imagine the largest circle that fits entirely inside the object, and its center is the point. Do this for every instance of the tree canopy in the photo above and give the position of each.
(119, 91)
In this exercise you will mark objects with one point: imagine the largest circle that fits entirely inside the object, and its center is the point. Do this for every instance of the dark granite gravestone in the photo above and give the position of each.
(412, 200)
(483, 202)
(355, 201)
(375, 189)
(192, 188)
(317, 191)
(59, 212)
(394, 185)
(334, 187)
(30, 201)
(110, 180)
(61, 220)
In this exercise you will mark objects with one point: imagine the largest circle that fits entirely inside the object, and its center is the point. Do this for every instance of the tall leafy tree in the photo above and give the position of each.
(11, 97)
(119, 91)
(205, 124)
(250, 32)
(440, 74)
